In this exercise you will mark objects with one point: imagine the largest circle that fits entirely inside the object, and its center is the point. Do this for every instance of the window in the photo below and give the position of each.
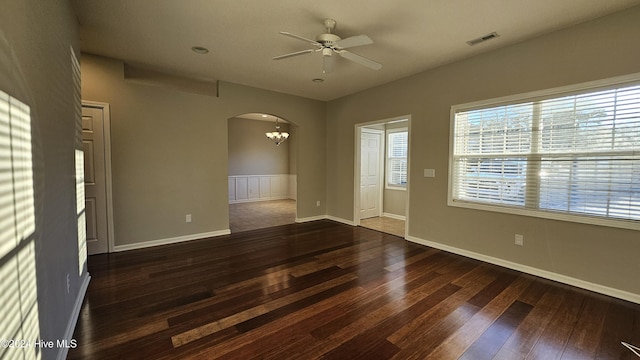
(397, 141)
(79, 157)
(571, 155)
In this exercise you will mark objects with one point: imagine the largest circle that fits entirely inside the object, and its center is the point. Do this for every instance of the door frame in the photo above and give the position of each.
(106, 131)
(356, 170)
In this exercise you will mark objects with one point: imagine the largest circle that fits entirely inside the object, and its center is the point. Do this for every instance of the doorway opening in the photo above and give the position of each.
(262, 175)
(381, 194)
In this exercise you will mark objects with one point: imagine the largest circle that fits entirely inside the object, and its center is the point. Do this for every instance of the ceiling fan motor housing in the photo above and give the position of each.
(328, 43)
(327, 40)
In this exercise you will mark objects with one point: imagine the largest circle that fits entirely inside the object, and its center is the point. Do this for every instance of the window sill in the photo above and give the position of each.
(583, 219)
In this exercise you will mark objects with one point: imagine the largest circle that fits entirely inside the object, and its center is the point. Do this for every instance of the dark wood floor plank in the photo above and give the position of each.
(519, 345)
(490, 342)
(618, 322)
(419, 338)
(554, 338)
(325, 289)
(218, 325)
(367, 307)
(425, 332)
(457, 344)
(365, 342)
(257, 341)
(587, 331)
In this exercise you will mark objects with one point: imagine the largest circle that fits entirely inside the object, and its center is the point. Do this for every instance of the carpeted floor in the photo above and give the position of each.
(261, 214)
(384, 224)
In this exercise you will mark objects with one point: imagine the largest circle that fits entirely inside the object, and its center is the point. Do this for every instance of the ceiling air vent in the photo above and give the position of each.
(483, 38)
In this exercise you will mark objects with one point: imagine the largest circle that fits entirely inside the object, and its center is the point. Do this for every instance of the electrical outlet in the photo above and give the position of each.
(188, 218)
(318, 203)
(519, 240)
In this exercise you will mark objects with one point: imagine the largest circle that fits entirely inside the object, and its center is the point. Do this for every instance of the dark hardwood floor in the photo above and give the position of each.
(328, 290)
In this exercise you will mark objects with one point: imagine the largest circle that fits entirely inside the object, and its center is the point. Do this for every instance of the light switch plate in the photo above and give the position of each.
(429, 172)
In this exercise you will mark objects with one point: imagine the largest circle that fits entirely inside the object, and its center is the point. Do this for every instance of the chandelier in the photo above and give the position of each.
(277, 136)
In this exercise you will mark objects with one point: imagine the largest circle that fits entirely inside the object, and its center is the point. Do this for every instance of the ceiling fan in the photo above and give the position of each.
(329, 44)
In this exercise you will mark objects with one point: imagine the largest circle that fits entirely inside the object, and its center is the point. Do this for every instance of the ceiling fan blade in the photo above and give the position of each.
(353, 41)
(360, 60)
(301, 38)
(327, 64)
(293, 54)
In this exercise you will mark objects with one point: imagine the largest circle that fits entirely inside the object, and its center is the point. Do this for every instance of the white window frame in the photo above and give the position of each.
(387, 185)
(627, 80)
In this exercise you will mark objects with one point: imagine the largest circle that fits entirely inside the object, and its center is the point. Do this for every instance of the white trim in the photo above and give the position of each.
(106, 132)
(326, 217)
(263, 175)
(173, 240)
(539, 213)
(341, 220)
(311, 218)
(394, 216)
(602, 289)
(75, 314)
(356, 171)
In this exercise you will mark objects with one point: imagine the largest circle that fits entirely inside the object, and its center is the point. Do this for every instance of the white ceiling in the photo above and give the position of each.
(410, 36)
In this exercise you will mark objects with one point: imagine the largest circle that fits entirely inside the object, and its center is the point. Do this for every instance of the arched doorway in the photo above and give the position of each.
(262, 175)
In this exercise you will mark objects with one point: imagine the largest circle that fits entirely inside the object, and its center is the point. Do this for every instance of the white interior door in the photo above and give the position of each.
(370, 173)
(93, 144)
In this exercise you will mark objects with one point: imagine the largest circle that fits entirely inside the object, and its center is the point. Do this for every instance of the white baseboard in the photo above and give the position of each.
(75, 315)
(325, 217)
(311, 218)
(178, 239)
(341, 220)
(394, 216)
(602, 289)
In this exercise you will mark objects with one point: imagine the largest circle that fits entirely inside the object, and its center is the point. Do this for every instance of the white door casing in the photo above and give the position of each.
(371, 163)
(359, 128)
(97, 174)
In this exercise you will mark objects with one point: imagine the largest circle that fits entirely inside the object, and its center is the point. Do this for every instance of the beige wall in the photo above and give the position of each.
(252, 153)
(169, 151)
(599, 49)
(35, 68)
(395, 202)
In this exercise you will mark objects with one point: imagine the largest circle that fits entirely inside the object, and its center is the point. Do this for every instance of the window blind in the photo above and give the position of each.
(397, 158)
(576, 154)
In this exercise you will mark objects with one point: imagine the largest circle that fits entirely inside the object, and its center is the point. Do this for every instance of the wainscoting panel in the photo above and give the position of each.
(245, 188)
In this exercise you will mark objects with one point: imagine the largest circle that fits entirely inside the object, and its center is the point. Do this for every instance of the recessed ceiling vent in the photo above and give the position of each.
(484, 38)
